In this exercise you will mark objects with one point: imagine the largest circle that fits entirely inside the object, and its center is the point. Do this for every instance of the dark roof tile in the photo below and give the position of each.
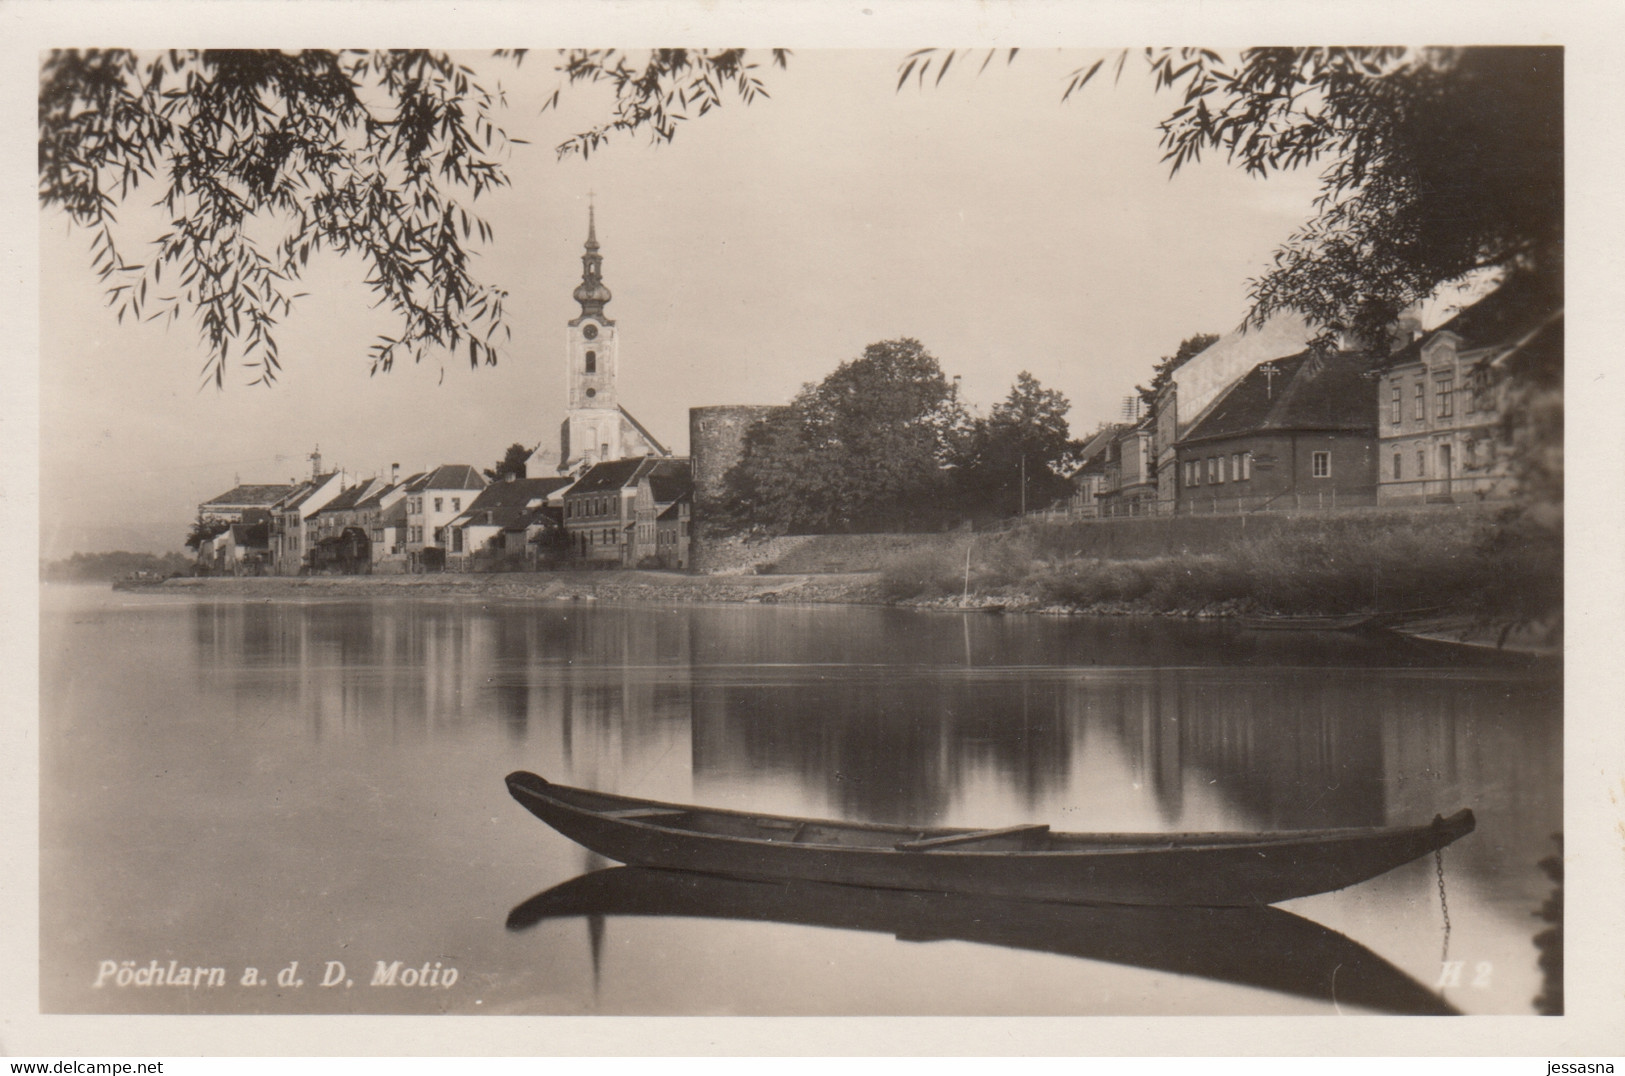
(454, 476)
(614, 474)
(259, 495)
(1305, 391)
(519, 492)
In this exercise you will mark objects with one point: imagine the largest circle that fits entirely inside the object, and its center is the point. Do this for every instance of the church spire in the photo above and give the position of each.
(591, 292)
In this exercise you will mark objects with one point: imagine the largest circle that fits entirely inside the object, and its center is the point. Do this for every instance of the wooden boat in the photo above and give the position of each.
(1026, 862)
(1265, 948)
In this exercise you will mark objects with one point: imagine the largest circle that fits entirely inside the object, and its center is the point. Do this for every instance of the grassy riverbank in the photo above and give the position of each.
(1467, 567)
(1463, 576)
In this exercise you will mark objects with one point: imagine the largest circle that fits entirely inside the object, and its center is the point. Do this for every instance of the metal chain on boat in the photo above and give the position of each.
(1444, 905)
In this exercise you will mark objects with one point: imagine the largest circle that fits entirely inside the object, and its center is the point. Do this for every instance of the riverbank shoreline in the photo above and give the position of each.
(846, 588)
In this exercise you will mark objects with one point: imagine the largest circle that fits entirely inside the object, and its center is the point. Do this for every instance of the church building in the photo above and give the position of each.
(596, 427)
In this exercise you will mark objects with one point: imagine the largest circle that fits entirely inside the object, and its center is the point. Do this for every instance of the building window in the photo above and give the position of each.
(1235, 466)
(439, 504)
(1394, 406)
(1322, 464)
(1218, 470)
(457, 540)
(1396, 467)
(1421, 462)
(1445, 393)
(1420, 406)
(1246, 465)
(456, 504)
(592, 362)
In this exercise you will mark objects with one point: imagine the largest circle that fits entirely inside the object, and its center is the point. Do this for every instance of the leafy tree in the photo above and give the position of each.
(863, 450)
(513, 462)
(1163, 371)
(1438, 162)
(263, 158)
(203, 530)
(659, 90)
(1017, 451)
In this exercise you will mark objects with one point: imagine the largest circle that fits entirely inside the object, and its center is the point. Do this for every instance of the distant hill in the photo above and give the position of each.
(107, 567)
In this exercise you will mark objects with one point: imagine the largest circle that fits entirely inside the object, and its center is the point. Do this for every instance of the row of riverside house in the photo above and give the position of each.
(620, 499)
(1260, 421)
(625, 513)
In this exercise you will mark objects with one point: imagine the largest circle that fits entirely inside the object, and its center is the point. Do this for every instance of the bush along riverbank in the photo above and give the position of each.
(1497, 574)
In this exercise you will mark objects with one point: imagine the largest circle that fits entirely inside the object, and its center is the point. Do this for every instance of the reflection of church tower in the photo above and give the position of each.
(596, 428)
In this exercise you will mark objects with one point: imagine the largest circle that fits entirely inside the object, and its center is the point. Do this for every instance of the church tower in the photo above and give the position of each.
(596, 427)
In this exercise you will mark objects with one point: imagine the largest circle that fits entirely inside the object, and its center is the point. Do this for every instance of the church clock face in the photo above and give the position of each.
(590, 331)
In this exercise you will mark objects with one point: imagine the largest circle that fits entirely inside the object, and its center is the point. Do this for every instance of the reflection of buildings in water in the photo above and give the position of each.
(1445, 737)
(604, 688)
(864, 709)
(1281, 753)
(865, 720)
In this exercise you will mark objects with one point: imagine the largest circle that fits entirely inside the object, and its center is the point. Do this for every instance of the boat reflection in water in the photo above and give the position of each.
(1258, 947)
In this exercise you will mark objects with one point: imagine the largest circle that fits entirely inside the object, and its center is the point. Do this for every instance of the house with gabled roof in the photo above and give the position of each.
(1442, 398)
(659, 486)
(672, 533)
(1193, 386)
(1296, 431)
(382, 514)
(1089, 477)
(230, 506)
(242, 548)
(432, 502)
(601, 510)
(289, 532)
(1128, 485)
(504, 510)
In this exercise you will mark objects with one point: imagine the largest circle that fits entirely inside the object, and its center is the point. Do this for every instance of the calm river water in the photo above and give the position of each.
(313, 790)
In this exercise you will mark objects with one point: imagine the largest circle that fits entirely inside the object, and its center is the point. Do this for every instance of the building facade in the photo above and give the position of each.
(1295, 432)
(604, 519)
(1442, 399)
(432, 502)
(1128, 485)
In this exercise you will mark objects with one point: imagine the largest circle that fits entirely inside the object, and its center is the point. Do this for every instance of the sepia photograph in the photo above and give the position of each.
(836, 531)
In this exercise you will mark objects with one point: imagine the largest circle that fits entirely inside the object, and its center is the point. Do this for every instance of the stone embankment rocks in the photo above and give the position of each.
(609, 586)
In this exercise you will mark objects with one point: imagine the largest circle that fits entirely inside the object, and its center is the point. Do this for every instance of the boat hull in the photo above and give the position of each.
(1215, 870)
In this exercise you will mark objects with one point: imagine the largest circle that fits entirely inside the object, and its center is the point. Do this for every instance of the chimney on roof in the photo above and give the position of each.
(1406, 329)
(316, 462)
(394, 473)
